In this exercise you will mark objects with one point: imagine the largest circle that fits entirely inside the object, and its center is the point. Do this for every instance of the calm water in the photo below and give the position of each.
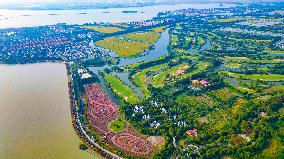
(35, 121)
(27, 18)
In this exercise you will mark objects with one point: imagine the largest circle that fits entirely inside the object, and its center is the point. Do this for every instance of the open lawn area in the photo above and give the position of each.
(263, 77)
(140, 78)
(200, 41)
(276, 52)
(123, 47)
(227, 20)
(148, 37)
(159, 29)
(174, 40)
(244, 89)
(247, 60)
(117, 125)
(120, 89)
(159, 79)
(199, 67)
(233, 65)
(275, 149)
(103, 29)
(135, 65)
(129, 44)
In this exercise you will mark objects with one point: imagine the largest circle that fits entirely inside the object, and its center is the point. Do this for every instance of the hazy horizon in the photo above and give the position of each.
(31, 2)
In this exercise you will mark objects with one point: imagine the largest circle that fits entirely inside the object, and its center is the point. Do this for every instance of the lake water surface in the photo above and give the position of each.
(35, 117)
(28, 18)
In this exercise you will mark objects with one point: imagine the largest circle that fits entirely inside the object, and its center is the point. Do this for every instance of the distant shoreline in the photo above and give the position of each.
(96, 6)
(37, 62)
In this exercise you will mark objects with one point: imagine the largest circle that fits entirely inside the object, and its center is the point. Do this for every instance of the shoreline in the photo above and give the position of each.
(37, 62)
(115, 6)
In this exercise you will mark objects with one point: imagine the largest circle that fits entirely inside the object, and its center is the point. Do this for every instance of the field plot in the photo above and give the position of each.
(104, 29)
(200, 41)
(198, 68)
(123, 47)
(148, 37)
(140, 78)
(228, 20)
(117, 125)
(159, 80)
(247, 60)
(132, 43)
(121, 89)
(276, 52)
(233, 65)
(174, 40)
(263, 77)
(103, 116)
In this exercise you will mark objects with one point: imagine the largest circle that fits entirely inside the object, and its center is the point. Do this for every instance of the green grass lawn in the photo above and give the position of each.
(149, 37)
(140, 77)
(276, 52)
(120, 89)
(247, 60)
(200, 41)
(123, 47)
(201, 66)
(104, 29)
(227, 20)
(130, 44)
(174, 40)
(135, 65)
(159, 29)
(117, 125)
(244, 89)
(159, 79)
(263, 77)
(233, 65)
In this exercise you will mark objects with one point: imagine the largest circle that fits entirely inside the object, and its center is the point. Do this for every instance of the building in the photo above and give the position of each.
(192, 132)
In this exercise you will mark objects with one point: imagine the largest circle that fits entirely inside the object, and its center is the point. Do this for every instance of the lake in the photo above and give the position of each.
(35, 117)
(28, 18)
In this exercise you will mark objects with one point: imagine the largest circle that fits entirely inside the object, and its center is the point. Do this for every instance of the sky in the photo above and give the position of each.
(106, 1)
(78, 1)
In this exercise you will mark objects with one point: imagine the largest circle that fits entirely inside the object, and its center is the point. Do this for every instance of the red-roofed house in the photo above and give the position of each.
(192, 132)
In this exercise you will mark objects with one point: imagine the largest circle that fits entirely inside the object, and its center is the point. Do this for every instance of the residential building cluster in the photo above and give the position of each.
(47, 43)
